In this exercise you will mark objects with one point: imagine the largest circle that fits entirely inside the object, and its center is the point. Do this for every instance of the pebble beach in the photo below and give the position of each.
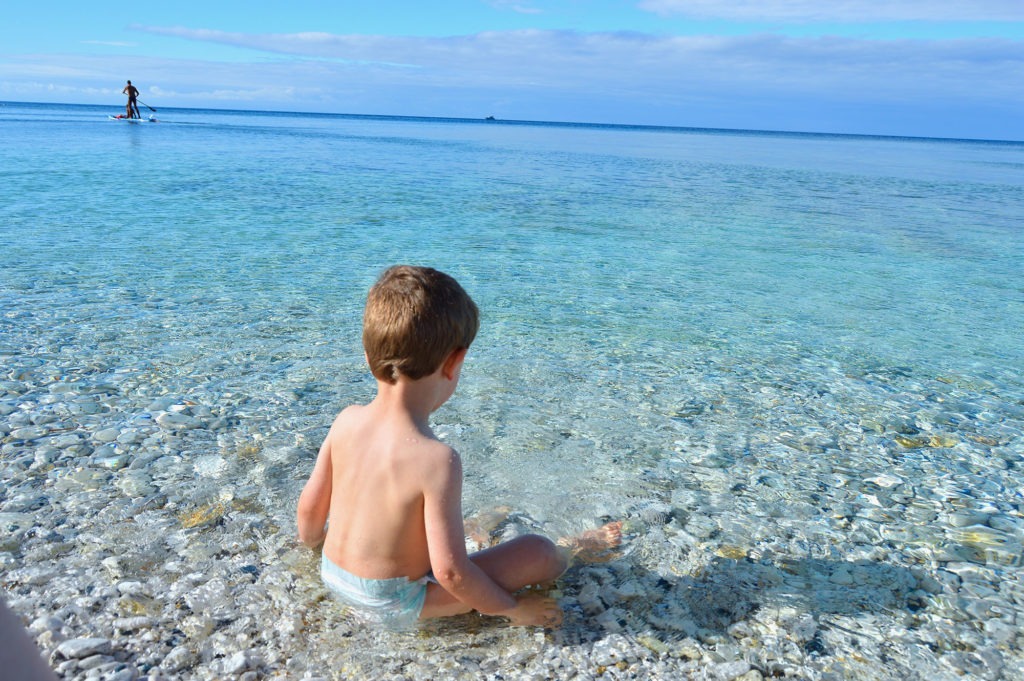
(127, 573)
(809, 418)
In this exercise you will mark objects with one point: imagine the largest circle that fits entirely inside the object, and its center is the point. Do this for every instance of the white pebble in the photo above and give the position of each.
(173, 420)
(78, 648)
(727, 671)
(178, 659)
(106, 435)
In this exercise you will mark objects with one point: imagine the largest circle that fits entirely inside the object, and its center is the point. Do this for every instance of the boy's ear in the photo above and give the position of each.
(451, 364)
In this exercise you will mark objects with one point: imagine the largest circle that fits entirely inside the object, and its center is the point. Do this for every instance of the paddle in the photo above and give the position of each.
(146, 105)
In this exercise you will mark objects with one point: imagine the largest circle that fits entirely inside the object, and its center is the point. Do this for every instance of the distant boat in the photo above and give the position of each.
(489, 118)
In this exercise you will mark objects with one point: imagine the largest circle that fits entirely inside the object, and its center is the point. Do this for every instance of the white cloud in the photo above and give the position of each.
(308, 44)
(518, 7)
(842, 10)
(658, 65)
(109, 43)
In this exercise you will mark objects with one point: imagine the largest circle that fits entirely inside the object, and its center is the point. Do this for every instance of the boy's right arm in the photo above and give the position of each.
(315, 500)
(453, 569)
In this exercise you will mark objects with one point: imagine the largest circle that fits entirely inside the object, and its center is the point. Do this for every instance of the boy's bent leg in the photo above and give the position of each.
(523, 561)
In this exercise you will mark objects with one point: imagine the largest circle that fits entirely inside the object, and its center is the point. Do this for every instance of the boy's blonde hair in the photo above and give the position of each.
(415, 317)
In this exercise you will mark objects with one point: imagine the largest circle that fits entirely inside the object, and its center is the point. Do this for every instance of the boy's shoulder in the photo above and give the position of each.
(438, 464)
(428, 448)
(349, 413)
(431, 451)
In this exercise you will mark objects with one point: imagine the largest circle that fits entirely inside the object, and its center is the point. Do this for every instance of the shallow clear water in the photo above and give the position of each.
(747, 328)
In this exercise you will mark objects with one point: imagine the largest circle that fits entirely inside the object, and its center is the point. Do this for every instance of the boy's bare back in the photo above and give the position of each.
(382, 461)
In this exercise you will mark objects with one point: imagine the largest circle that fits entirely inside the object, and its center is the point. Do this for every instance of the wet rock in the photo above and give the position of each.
(94, 661)
(242, 661)
(177, 659)
(967, 518)
(77, 648)
(106, 435)
(612, 650)
(29, 432)
(66, 440)
(45, 623)
(123, 674)
(728, 671)
(132, 624)
(177, 421)
(842, 576)
(133, 588)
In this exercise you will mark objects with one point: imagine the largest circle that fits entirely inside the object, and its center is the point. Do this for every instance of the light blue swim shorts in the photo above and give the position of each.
(394, 603)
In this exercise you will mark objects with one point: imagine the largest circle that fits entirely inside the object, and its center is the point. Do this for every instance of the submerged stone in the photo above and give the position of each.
(202, 516)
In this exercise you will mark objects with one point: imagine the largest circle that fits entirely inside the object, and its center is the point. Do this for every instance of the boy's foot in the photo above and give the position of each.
(595, 546)
(480, 527)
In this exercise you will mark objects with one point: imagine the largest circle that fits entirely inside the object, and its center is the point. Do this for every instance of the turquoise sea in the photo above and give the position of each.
(792, 363)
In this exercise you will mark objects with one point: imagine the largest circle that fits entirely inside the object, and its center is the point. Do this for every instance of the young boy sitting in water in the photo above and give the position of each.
(390, 493)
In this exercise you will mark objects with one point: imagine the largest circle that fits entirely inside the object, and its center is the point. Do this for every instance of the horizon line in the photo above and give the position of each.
(514, 121)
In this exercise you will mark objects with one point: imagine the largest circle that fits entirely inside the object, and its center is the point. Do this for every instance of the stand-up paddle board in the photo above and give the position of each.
(151, 119)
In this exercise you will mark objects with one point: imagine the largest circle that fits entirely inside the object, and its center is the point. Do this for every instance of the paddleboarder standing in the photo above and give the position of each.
(133, 93)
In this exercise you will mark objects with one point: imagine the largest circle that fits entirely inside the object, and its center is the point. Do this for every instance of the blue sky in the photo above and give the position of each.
(947, 68)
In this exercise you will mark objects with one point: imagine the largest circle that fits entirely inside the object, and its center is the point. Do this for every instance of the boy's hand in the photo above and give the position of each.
(534, 610)
(313, 542)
